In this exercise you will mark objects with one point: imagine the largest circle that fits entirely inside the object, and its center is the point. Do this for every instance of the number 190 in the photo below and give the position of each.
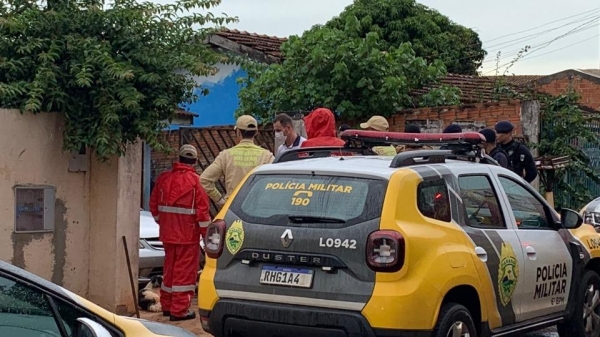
(300, 201)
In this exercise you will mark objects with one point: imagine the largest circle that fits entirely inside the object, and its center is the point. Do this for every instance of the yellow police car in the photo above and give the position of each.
(33, 307)
(426, 243)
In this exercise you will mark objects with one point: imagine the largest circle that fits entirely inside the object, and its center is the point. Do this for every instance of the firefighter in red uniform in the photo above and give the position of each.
(180, 206)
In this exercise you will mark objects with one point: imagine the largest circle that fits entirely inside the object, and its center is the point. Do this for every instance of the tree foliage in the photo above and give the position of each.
(115, 72)
(433, 36)
(566, 132)
(339, 69)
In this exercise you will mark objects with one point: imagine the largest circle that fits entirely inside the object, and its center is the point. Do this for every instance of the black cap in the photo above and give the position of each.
(412, 128)
(453, 128)
(504, 127)
(489, 134)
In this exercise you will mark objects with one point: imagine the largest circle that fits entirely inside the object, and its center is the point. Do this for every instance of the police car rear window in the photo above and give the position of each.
(274, 199)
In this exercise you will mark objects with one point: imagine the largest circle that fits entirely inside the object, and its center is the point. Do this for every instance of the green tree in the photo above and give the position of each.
(114, 72)
(433, 35)
(339, 69)
(566, 132)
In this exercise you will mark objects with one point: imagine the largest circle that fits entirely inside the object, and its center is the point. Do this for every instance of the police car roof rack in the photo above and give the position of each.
(320, 152)
(458, 146)
(420, 157)
(464, 140)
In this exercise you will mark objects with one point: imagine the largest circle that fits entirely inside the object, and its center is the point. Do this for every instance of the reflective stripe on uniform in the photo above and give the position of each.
(177, 210)
(182, 289)
(203, 224)
(165, 288)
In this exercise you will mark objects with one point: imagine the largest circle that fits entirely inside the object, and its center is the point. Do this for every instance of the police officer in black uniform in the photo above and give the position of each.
(452, 128)
(520, 159)
(492, 149)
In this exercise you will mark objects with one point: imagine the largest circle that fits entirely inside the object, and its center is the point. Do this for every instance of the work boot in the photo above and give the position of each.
(166, 313)
(190, 315)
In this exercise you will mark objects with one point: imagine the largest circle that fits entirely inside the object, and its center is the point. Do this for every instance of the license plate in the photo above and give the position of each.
(291, 277)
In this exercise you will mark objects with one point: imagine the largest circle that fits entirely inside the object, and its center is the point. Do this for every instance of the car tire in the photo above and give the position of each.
(577, 324)
(454, 318)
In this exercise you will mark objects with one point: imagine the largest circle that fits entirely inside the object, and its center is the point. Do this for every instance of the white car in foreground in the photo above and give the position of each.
(152, 253)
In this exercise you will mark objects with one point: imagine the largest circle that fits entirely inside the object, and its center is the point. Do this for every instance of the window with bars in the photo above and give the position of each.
(34, 209)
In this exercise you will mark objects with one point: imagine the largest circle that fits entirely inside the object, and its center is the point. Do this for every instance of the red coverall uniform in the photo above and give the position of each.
(180, 206)
(320, 129)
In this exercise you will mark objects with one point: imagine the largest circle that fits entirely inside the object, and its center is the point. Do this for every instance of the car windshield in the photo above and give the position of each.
(280, 199)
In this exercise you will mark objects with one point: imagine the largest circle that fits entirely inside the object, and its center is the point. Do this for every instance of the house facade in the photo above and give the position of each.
(218, 108)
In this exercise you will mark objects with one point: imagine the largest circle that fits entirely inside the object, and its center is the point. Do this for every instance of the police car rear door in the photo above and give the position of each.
(300, 238)
(548, 263)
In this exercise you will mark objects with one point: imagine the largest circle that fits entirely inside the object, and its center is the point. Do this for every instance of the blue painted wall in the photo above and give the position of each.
(218, 107)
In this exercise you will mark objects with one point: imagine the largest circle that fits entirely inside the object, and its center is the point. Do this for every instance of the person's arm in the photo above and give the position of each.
(528, 165)
(210, 176)
(154, 197)
(270, 157)
(502, 159)
(202, 209)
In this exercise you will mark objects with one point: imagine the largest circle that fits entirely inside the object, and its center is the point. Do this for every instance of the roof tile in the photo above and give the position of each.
(519, 79)
(270, 45)
(593, 72)
(474, 89)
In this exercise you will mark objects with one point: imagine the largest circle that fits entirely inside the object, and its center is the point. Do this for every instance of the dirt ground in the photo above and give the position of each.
(192, 325)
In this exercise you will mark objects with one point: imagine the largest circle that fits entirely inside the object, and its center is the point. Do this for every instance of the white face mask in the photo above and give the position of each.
(279, 135)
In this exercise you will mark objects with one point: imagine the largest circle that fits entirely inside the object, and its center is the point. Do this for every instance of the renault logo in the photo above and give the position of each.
(287, 238)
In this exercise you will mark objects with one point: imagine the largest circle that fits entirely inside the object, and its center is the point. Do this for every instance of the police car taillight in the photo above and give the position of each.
(385, 251)
(215, 239)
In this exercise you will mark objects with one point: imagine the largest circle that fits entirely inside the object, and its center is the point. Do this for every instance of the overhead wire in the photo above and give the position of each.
(595, 13)
(532, 36)
(546, 24)
(550, 52)
(565, 47)
(591, 24)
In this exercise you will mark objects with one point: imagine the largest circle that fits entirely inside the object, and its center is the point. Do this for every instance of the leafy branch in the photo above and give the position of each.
(116, 73)
(567, 132)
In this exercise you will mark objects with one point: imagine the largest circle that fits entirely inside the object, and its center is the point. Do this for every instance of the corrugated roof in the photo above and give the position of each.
(269, 45)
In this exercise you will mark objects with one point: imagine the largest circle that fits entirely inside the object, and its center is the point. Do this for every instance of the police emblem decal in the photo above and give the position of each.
(508, 273)
(234, 239)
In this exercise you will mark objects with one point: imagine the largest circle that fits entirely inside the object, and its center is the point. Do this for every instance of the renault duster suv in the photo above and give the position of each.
(420, 244)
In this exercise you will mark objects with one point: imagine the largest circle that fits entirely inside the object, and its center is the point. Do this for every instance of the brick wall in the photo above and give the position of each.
(558, 84)
(473, 117)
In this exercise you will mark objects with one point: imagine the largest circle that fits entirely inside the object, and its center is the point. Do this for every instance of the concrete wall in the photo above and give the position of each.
(32, 154)
(93, 209)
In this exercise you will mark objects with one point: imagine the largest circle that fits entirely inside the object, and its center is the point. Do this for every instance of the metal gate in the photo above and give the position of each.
(592, 150)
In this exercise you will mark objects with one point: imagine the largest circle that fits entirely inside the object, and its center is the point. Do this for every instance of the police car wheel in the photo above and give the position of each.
(585, 321)
(454, 321)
